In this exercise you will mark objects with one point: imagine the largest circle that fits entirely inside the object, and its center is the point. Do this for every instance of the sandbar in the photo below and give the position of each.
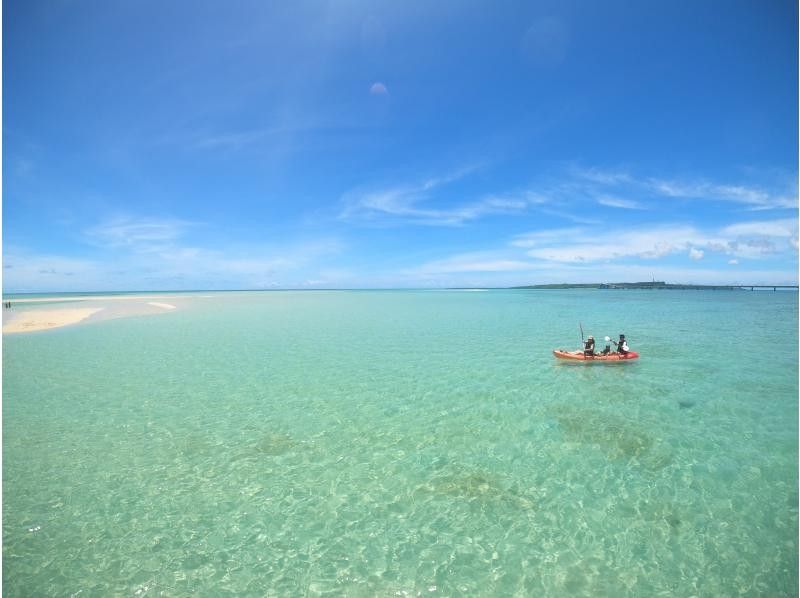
(44, 319)
(164, 305)
(56, 299)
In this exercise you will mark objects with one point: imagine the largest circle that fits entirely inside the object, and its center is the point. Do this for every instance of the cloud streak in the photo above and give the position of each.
(139, 235)
(604, 184)
(616, 202)
(751, 240)
(579, 254)
(429, 203)
(416, 204)
(150, 253)
(474, 262)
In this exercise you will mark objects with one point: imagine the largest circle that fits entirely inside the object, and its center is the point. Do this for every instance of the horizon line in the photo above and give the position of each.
(444, 288)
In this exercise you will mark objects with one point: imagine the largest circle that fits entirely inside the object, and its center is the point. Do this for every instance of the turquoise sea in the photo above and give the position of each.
(406, 443)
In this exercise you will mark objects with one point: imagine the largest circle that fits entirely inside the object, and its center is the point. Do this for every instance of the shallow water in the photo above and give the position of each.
(406, 442)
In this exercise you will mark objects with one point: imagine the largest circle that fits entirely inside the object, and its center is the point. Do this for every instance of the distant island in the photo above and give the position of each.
(657, 285)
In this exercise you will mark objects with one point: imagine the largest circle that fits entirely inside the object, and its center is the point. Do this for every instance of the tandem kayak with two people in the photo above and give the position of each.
(581, 356)
(588, 355)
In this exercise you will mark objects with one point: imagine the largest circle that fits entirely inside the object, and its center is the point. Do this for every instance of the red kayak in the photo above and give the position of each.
(579, 356)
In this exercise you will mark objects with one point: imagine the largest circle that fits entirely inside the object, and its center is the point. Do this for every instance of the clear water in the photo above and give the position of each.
(406, 443)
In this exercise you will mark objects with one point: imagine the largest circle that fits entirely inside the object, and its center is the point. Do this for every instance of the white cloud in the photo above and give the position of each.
(249, 266)
(24, 271)
(142, 235)
(751, 240)
(474, 262)
(422, 204)
(603, 177)
(598, 183)
(543, 237)
(733, 262)
(753, 197)
(786, 227)
(280, 134)
(616, 202)
(414, 204)
(473, 270)
(152, 254)
(649, 244)
(234, 140)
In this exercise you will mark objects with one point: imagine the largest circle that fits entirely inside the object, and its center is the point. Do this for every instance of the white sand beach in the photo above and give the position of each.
(74, 298)
(29, 315)
(44, 319)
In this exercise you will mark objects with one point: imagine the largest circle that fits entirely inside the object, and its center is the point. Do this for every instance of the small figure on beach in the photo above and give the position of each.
(622, 345)
(588, 347)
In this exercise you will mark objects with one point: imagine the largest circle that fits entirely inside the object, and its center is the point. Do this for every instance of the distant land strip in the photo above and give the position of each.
(660, 285)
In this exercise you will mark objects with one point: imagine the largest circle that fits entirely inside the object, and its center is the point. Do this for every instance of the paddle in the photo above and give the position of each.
(608, 340)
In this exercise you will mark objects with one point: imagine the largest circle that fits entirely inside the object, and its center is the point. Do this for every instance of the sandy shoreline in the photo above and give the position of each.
(44, 319)
(56, 299)
(29, 315)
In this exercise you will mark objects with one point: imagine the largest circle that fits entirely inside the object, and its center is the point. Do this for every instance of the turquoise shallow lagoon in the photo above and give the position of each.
(403, 443)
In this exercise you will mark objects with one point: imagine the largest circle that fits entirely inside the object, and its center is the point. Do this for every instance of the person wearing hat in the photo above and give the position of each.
(622, 345)
(588, 347)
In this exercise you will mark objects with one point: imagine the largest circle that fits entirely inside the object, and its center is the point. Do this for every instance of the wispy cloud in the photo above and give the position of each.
(156, 253)
(579, 254)
(563, 197)
(139, 235)
(174, 267)
(582, 254)
(602, 177)
(753, 197)
(233, 140)
(616, 202)
(280, 132)
(786, 227)
(545, 237)
(416, 204)
(592, 247)
(605, 185)
(27, 271)
(753, 240)
(474, 262)
(236, 140)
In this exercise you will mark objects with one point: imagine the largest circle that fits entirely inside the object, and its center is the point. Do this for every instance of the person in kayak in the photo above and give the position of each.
(622, 345)
(588, 347)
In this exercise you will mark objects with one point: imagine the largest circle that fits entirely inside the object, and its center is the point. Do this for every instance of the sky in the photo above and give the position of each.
(254, 145)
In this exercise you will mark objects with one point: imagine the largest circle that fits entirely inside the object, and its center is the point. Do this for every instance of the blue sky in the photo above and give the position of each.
(212, 145)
